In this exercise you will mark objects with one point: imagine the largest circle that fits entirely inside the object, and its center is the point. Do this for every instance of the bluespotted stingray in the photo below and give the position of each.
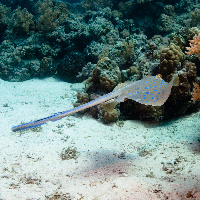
(151, 90)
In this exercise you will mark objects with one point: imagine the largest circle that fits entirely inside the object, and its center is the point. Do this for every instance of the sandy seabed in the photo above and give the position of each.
(131, 160)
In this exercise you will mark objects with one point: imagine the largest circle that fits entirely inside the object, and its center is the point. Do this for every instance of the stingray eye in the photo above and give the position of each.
(159, 76)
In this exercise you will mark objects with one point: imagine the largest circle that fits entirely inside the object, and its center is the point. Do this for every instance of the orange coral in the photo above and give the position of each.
(196, 92)
(194, 46)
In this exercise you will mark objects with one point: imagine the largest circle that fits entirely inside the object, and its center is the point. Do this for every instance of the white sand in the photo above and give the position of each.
(137, 161)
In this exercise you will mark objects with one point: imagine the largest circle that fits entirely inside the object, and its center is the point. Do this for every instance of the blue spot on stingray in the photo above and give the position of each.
(152, 97)
(146, 88)
(155, 90)
(147, 92)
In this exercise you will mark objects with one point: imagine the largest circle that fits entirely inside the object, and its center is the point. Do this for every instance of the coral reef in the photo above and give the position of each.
(105, 42)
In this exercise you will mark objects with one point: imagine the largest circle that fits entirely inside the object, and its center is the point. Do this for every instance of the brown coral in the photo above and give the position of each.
(106, 74)
(111, 116)
(52, 15)
(21, 21)
(171, 58)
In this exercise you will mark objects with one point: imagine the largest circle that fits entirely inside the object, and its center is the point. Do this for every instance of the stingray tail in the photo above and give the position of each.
(40, 122)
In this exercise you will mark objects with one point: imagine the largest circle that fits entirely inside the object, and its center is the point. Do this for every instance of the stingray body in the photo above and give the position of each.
(151, 90)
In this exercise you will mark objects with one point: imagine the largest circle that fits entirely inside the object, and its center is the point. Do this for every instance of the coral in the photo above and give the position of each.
(155, 46)
(21, 22)
(165, 23)
(132, 70)
(4, 13)
(106, 74)
(111, 116)
(169, 10)
(95, 4)
(123, 7)
(194, 46)
(171, 58)
(69, 153)
(51, 15)
(192, 32)
(178, 40)
(195, 17)
(128, 49)
(4, 17)
(86, 71)
(70, 65)
(100, 28)
(196, 92)
(82, 98)
(179, 102)
(26, 58)
(45, 66)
